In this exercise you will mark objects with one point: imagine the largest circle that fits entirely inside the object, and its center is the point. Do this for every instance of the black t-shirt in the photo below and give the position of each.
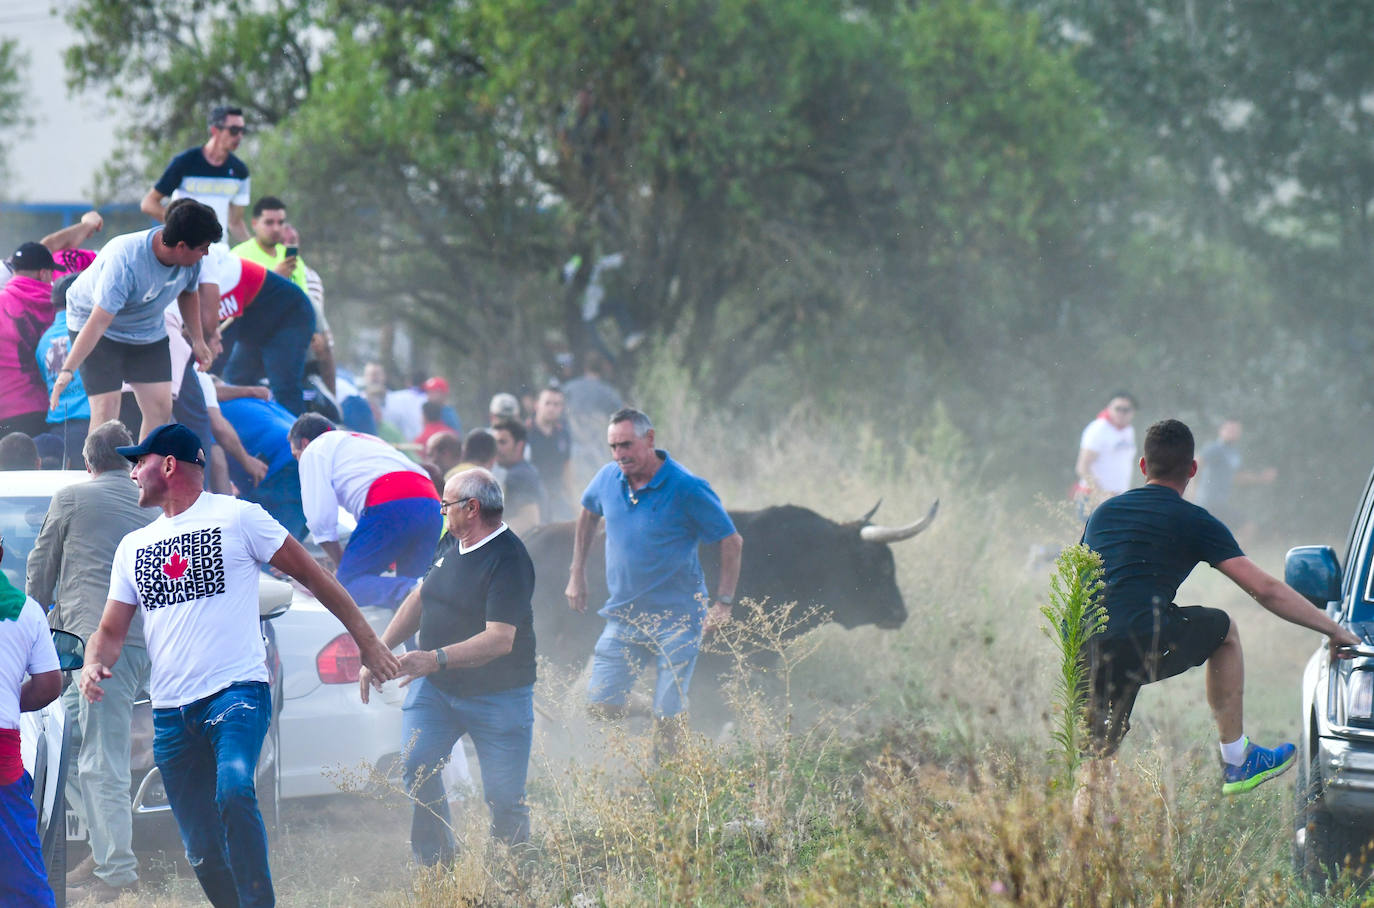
(1150, 540)
(549, 453)
(462, 593)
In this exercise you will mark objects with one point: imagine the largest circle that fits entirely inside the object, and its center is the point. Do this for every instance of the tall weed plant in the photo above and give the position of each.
(1075, 615)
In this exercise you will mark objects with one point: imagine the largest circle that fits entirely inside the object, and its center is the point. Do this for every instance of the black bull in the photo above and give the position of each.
(791, 554)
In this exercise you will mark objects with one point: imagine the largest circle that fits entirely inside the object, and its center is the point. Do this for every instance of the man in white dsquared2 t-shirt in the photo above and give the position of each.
(194, 571)
(25, 648)
(392, 498)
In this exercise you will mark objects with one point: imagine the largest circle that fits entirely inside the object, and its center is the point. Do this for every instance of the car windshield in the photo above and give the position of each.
(20, 520)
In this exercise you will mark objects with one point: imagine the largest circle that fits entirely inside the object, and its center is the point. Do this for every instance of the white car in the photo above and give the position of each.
(324, 727)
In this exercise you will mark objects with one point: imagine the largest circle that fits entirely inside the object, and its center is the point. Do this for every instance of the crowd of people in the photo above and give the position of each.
(206, 375)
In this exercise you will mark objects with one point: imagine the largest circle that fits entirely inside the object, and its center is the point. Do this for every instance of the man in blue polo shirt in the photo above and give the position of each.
(657, 514)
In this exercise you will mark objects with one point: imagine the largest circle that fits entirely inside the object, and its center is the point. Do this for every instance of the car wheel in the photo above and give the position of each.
(269, 782)
(1325, 845)
(54, 842)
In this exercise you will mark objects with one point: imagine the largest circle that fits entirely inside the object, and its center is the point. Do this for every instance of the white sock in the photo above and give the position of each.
(1234, 753)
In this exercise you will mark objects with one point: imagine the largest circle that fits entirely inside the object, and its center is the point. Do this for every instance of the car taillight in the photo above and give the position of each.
(339, 662)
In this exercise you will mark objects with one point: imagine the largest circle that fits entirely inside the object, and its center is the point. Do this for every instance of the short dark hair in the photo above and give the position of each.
(192, 223)
(308, 427)
(267, 203)
(516, 429)
(223, 112)
(1126, 394)
(479, 446)
(432, 411)
(1168, 450)
(446, 445)
(18, 452)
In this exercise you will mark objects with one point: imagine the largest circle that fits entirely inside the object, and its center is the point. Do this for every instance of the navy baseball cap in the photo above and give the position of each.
(169, 440)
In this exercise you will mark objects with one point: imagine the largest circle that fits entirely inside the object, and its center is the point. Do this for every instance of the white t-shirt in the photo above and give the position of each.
(1115, 449)
(338, 468)
(195, 576)
(25, 649)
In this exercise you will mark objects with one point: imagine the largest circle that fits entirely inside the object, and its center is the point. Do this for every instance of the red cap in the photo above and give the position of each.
(435, 383)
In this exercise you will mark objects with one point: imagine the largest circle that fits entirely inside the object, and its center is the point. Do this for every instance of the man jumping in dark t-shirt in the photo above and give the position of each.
(1150, 539)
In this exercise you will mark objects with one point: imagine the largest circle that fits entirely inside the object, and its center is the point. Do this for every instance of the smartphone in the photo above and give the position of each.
(293, 251)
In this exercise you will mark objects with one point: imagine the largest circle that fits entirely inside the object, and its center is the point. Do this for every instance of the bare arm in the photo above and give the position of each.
(1284, 601)
(731, 552)
(495, 641)
(152, 205)
(188, 301)
(104, 647)
(577, 573)
(73, 236)
(237, 229)
(403, 625)
(323, 348)
(293, 559)
(235, 392)
(227, 438)
(1084, 466)
(209, 314)
(86, 339)
(40, 690)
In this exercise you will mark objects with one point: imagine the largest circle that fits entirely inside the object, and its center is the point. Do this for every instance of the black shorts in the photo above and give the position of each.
(112, 363)
(1118, 666)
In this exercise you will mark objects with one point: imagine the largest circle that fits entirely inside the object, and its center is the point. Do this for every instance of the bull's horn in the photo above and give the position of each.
(897, 534)
(871, 511)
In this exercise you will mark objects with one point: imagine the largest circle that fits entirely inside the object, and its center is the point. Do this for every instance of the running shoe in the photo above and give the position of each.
(1260, 765)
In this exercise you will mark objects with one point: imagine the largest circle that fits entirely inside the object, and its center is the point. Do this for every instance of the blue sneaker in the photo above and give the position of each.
(1260, 765)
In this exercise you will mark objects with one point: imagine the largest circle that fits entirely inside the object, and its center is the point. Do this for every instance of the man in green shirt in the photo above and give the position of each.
(266, 246)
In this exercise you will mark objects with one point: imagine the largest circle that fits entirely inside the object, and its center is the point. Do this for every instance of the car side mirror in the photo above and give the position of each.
(1315, 572)
(71, 651)
(274, 597)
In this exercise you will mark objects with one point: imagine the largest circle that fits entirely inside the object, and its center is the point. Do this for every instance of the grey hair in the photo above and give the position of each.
(99, 449)
(636, 418)
(481, 486)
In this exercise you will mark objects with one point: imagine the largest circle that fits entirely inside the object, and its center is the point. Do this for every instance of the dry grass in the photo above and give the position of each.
(867, 767)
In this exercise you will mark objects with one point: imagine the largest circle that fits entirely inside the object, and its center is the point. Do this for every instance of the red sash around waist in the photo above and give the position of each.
(398, 485)
(11, 763)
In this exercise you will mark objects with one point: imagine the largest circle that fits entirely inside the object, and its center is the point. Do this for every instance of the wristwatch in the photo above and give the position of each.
(441, 657)
(726, 600)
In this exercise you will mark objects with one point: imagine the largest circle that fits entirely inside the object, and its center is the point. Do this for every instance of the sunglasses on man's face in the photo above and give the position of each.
(235, 130)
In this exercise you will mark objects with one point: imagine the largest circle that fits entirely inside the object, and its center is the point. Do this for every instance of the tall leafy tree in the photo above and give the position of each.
(12, 64)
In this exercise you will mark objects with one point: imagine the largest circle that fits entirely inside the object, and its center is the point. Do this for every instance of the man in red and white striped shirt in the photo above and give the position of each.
(392, 498)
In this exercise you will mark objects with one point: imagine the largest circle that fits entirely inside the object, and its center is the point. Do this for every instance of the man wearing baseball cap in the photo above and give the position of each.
(437, 392)
(25, 313)
(194, 571)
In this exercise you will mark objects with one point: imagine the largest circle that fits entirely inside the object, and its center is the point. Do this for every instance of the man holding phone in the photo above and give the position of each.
(267, 246)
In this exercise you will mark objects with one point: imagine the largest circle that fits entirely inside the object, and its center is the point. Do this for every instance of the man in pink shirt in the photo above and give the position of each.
(26, 311)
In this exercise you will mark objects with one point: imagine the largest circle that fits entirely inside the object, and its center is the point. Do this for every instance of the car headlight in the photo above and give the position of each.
(1359, 696)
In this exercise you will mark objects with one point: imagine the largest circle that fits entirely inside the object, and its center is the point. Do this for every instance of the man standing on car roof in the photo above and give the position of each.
(25, 649)
(392, 498)
(71, 557)
(194, 572)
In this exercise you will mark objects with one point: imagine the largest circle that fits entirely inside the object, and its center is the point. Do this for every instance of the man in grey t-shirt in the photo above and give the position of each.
(115, 314)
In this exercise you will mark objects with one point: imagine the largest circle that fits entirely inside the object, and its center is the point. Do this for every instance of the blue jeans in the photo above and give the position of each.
(280, 495)
(403, 532)
(23, 876)
(501, 726)
(207, 752)
(270, 339)
(626, 645)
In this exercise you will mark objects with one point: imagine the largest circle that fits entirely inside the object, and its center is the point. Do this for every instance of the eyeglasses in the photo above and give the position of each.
(445, 505)
(234, 130)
